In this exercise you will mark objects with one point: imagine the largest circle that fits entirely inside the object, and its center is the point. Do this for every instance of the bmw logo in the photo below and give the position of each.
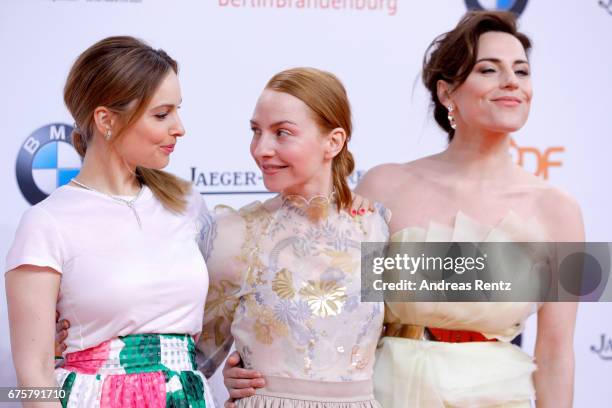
(515, 6)
(46, 160)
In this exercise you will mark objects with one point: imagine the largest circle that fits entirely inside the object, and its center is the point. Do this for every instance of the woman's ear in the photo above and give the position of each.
(104, 119)
(335, 142)
(443, 91)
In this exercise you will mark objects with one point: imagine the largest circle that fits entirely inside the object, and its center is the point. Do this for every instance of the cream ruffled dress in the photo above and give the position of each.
(418, 373)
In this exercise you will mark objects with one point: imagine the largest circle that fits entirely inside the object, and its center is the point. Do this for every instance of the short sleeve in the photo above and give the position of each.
(221, 242)
(197, 209)
(37, 242)
(201, 206)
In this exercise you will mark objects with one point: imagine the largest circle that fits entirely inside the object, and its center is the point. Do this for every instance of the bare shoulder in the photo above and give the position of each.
(560, 212)
(382, 171)
(559, 202)
(379, 180)
(383, 182)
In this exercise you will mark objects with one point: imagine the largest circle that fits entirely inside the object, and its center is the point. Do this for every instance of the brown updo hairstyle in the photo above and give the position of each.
(452, 55)
(122, 73)
(326, 97)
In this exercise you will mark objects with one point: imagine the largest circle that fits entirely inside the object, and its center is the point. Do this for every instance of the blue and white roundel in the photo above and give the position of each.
(515, 6)
(54, 165)
(46, 161)
(497, 4)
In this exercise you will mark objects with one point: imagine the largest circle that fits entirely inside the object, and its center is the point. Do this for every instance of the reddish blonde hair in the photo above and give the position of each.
(326, 97)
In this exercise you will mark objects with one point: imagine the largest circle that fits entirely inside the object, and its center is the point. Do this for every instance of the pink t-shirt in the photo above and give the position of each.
(117, 279)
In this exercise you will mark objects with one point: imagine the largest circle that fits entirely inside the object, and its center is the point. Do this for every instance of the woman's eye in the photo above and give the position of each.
(487, 70)
(282, 132)
(161, 115)
(522, 72)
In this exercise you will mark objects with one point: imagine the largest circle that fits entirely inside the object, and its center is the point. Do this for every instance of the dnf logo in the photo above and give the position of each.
(46, 161)
(544, 160)
(515, 6)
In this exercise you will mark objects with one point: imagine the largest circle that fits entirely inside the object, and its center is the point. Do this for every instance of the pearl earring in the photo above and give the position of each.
(451, 118)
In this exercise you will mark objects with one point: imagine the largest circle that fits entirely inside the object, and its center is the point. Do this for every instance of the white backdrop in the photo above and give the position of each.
(228, 49)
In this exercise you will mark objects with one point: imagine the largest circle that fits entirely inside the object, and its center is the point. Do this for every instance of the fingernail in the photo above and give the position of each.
(353, 212)
(362, 211)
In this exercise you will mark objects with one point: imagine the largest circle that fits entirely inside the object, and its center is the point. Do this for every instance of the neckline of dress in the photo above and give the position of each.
(511, 220)
(315, 209)
(303, 202)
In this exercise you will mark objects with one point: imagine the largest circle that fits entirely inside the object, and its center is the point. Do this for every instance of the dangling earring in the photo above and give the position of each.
(451, 118)
(108, 135)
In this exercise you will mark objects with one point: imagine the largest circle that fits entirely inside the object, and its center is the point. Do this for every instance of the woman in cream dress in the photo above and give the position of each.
(459, 354)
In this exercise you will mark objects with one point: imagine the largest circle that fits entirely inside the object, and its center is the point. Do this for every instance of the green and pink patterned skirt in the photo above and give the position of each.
(141, 370)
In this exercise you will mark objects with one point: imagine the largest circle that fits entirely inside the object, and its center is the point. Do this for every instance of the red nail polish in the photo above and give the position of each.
(362, 211)
(353, 212)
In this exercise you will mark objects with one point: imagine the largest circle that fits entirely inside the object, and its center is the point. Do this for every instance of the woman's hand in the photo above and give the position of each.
(61, 333)
(361, 205)
(240, 382)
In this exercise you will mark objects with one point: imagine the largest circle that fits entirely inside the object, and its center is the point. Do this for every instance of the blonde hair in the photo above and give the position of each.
(122, 73)
(326, 97)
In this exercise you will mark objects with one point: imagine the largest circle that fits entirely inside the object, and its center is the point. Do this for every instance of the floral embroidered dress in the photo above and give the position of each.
(285, 285)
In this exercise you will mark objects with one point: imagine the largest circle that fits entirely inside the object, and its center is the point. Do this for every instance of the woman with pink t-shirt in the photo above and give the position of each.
(114, 250)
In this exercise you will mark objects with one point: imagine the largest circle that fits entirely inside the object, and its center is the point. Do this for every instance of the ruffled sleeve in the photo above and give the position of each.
(376, 225)
(221, 240)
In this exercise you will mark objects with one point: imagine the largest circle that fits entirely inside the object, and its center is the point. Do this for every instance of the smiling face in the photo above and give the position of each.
(496, 96)
(289, 147)
(150, 140)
